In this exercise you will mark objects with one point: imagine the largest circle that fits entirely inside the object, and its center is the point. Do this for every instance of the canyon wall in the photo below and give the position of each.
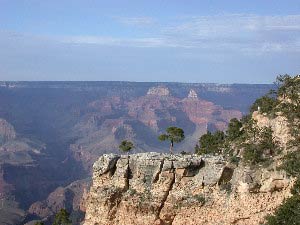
(157, 188)
(51, 133)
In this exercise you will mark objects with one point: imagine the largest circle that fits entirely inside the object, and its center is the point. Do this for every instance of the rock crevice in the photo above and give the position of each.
(167, 192)
(165, 189)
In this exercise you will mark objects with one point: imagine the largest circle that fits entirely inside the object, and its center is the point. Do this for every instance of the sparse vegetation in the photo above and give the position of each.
(257, 145)
(291, 163)
(226, 186)
(265, 104)
(296, 188)
(251, 154)
(174, 135)
(234, 129)
(287, 214)
(200, 198)
(210, 143)
(285, 101)
(126, 146)
(62, 218)
(262, 147)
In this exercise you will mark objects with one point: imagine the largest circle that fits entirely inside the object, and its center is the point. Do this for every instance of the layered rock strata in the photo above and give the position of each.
(153, 188)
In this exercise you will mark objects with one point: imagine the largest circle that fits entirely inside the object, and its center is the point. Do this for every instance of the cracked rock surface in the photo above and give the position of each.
(163, 189)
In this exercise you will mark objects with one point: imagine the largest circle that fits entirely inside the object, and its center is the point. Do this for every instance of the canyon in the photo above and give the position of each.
(53, 132)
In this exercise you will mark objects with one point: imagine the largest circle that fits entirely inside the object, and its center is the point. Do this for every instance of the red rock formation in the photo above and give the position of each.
(110, 120)
(200, 111)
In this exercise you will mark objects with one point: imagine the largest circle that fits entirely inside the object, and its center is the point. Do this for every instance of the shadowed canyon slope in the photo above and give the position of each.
(52, 132)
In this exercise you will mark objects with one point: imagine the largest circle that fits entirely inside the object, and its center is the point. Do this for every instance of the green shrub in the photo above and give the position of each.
(226, 186)
(260, 146)
(210, 143)
(252, 154)
(200, 198)
(291, 164)
(287, 214)
(234, 159)
(174, 135)
(62, 218)
(126, 146)
(296, 188)
(234, 129)
(266, 103)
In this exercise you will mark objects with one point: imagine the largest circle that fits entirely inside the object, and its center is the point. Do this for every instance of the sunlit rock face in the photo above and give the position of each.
(279, 126)
(192, 94)
(157, 188)
(160, 91)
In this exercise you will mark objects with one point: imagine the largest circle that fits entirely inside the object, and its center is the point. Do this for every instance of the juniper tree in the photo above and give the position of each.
(126, 146)
(174, 135)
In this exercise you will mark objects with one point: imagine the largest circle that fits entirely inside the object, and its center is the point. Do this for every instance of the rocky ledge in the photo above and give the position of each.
(155, 188)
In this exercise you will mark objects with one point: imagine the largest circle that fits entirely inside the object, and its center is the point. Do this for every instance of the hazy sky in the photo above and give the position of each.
(171, 40)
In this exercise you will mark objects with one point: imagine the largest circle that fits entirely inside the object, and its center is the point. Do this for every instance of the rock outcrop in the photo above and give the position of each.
(160, 91)
(7, 131)
(192, 94)
(279, 126)
(154, 188)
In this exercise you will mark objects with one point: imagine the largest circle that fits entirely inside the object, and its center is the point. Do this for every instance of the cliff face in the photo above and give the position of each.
(279, 126)
(153, 188)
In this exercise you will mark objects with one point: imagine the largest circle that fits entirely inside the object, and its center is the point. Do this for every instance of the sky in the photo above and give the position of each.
(224, 41)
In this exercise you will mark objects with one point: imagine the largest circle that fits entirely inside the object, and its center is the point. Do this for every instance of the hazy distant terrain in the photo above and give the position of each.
(52, 132)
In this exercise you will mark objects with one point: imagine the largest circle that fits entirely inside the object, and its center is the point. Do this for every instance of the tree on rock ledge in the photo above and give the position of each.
(174, 135)
(126, 146)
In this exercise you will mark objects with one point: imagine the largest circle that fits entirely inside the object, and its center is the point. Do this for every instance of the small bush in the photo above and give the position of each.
(261, 145)
(226, 187)
(62, 218)
(266, 103)
(200, 198)
(210, 143)
(252, 154)
(291, 164)
(234, 129)
(296, 188)
(288, 213)
(234, 159)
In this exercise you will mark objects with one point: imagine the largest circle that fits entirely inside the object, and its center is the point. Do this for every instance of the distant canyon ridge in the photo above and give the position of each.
(51, 133)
